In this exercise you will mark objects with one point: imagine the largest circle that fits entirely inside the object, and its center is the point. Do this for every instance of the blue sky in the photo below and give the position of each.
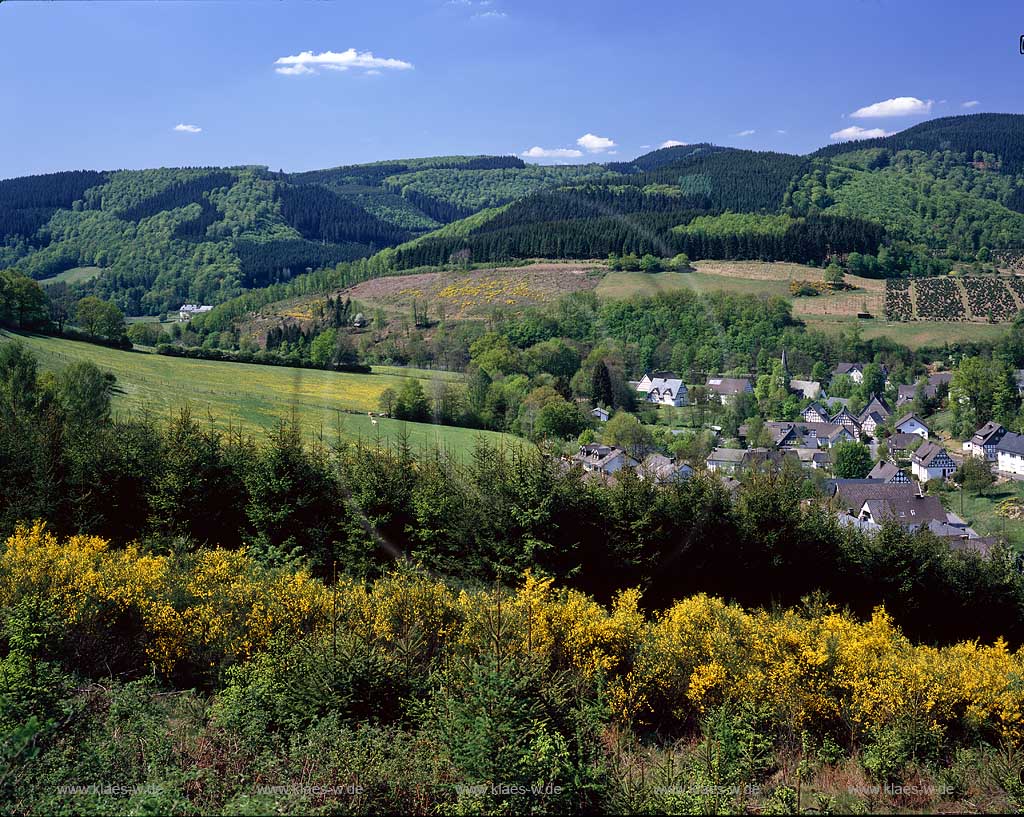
(104, 85)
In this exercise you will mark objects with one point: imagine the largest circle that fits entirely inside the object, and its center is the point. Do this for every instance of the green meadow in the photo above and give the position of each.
(256, 397)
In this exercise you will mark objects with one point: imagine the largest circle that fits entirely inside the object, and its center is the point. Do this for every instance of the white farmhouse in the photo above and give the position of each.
(911, 424)
(603, 459)
(1010, 454)
(931, 461)
(663, 388)
(985, 441)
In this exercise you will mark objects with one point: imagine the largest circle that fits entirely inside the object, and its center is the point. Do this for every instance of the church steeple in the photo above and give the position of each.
(785, 365)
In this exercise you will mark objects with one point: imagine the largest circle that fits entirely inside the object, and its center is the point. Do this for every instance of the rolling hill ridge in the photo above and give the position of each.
(946, 189)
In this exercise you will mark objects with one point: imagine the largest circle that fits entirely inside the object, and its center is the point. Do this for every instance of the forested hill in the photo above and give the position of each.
(152, 239)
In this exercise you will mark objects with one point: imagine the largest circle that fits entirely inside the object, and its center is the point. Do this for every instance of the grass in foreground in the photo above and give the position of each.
(256, 397)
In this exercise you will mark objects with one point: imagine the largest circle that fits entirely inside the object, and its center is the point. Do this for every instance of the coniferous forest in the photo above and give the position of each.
(945, 190)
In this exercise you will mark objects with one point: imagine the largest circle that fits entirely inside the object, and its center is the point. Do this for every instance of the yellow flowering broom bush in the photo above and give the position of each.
(825, 670)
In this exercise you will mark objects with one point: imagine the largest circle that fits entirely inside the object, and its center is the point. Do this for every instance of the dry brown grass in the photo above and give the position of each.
(475, 293)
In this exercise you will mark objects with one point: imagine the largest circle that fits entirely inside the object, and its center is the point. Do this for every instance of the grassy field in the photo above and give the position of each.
(980, 511)
(914, 334)
(253, 396)
(833, 312)
(454, 295)
(73, 275)
(750, 278)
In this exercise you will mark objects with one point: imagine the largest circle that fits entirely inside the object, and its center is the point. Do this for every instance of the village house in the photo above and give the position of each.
(727, 389)
(845, 418)
(887, 472)
(725, 460)
(815, 414)
(900, 444)
(911, 424)
(599, 414)
(603, 459)
(807, 389)
(932, 461)
(735, 460)
(814, 459)
(1010, 454)
(855, 371)
(985, 441)
(868, 504)
(802, 435)
(663, 388)
(874, 415)
(662, 470)
(907, 393)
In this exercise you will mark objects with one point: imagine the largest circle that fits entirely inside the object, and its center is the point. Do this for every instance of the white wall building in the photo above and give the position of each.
(1010, 454)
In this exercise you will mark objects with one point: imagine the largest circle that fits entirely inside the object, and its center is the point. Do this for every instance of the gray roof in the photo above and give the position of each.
(939, 378)
(817, 408)
(908, 393)
(884, 471)
(729, 385)
(876, 405)
(878, 418)
(906, 418)
(813, 455)
(1012, 443)
(727, 455)
(598, 455)
(908, 509)
(902, 440)
(928, 452)
(845, 412)
(846, 368)
(808, 388)
(663, 469)
(853, 493)
(988, 433)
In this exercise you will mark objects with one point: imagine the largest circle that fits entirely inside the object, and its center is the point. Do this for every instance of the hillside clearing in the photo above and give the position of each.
(255, 397)
(74, 275)
(913, 334)
(751, 278)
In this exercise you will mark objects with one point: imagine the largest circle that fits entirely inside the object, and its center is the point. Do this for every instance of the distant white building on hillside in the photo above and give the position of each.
(189, 311)
(663, 388)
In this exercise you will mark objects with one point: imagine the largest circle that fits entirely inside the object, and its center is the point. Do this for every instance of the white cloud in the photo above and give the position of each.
(595, 144)
(671, 143)
(294, 70)
(537, 152)
(781, 131)
(490, 15)
(971, 103)
(307, 62)
(854, 132)
(897, 106)
(188, 128)
(750, 132)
